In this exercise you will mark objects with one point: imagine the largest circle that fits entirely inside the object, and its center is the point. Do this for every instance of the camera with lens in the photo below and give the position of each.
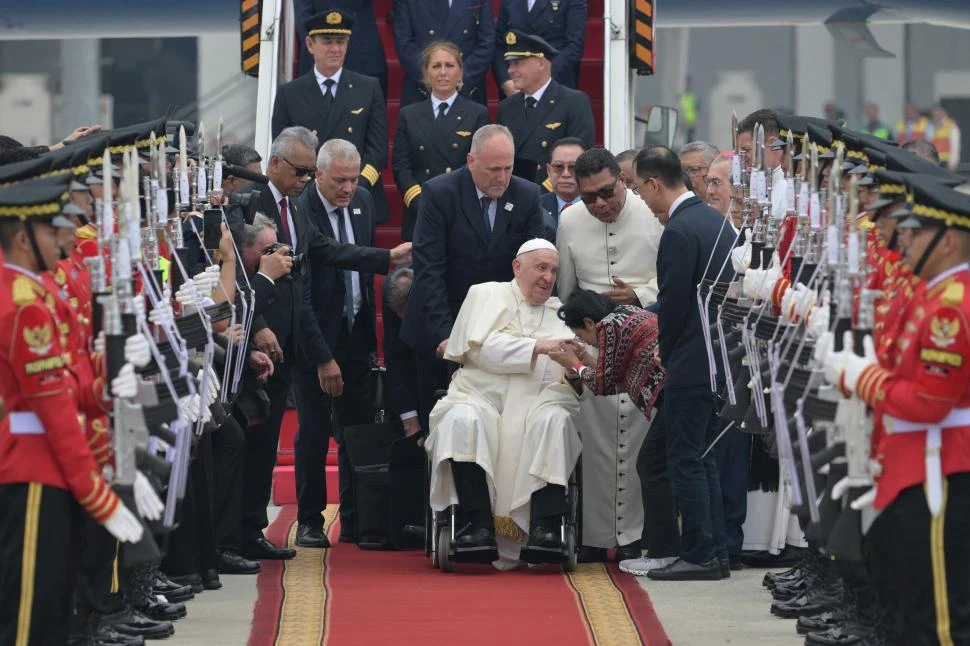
(298, 259)
(248, 201)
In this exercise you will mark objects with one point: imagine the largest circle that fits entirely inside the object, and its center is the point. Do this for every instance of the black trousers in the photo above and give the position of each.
(474, 504)
(98, 551)
(432, 374)
(192, 546)
(40, 529)
(922, 565)
(732, 453)
(661, 533)
(321, 417)
(228, 458)
(262, 441)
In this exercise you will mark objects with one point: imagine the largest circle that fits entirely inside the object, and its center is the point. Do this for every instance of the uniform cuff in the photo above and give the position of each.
(410, 194)
(370, 174)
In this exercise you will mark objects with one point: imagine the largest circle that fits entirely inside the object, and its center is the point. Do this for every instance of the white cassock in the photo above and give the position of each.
(506, 413)
(613, 428)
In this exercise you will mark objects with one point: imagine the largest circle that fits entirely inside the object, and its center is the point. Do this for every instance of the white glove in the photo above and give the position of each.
(137, 351)
(149, 505)
(760, 285)
(125, 385)
(824, 345)
(188, 296)
(139, 303)
(162, 313)
(844, 368)
(796, 302)
(741, 256)
(99, 342)
(818, 322)
(124, 526)
(193, 409)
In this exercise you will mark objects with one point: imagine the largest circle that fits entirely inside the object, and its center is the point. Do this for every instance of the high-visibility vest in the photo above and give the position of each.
(688, 105)
(881, 131)
(941, 140)
(915, 133)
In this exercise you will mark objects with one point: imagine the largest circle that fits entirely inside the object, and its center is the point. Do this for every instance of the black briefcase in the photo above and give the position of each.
(369, 449)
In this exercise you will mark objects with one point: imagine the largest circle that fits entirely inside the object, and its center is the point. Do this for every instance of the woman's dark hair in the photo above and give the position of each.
(583, 304)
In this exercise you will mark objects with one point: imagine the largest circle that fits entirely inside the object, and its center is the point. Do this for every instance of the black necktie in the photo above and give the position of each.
(348, 275)
(328, 92)
(442, 108)
(486, 202)
(530, 104)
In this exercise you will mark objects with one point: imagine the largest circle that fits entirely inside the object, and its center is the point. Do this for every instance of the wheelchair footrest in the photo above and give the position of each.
(482, 554)
(535, 554)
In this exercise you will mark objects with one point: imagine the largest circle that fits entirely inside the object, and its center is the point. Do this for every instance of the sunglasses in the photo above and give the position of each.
(605, 193)
(301, 171)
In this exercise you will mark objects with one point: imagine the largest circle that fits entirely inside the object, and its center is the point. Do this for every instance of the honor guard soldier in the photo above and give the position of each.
(467, 23)
(562, 23)
(47, 473)
(543, 110)
(336, 103)
(435, 135)
(918, 548)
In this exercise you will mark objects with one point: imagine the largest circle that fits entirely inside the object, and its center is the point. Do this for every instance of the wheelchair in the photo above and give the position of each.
(444, 526)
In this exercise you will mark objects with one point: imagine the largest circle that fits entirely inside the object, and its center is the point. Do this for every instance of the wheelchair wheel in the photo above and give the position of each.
(572, 553)
(443, 555)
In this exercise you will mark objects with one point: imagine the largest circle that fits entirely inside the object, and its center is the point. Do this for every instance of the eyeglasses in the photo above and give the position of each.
(696, 170)
(301, 171)
(559, 167)
(605, 193)
(712, 181)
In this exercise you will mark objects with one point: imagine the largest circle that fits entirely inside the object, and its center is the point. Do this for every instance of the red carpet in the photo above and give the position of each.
(348, 596)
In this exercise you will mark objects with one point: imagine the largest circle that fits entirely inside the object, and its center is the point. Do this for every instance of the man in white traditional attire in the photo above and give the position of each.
(608, 244)
(501, 444)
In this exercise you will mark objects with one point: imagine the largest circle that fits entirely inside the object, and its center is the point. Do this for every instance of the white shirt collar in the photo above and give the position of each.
(327, 204)
(321, 78)
(277, 196)
(537, 95)
(480, 194)
(679, 201)
(946, 274)
(435, 102)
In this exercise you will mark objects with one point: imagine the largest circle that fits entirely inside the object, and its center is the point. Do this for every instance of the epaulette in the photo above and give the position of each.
(86, 232)
(60, 276)
(953, 294)
(23, 291)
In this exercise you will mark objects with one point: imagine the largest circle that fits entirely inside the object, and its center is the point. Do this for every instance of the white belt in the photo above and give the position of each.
(934, 440)
(22, 423)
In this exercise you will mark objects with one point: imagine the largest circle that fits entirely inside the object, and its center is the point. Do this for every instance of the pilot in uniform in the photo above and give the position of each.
(336, 103)
(543, 110)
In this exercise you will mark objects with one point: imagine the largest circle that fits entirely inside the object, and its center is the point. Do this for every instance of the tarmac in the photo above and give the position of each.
(701, 613)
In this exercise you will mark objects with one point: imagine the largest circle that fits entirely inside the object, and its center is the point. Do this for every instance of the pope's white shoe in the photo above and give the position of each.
(640, 566)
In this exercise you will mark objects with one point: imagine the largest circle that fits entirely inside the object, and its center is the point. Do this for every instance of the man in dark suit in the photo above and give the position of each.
(562, 23)
(336, 103)
(275, 332)
(562, 176)
(467, 23)
(690, 242)
(365, 52)
(470, 224)
(543, 110)
(399, 358)
(332, 377)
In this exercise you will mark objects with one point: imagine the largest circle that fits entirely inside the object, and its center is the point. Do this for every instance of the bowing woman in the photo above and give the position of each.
(434, 135)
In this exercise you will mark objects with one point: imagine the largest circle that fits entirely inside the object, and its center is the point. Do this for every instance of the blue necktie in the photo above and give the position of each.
(348, 275)
(486, 202)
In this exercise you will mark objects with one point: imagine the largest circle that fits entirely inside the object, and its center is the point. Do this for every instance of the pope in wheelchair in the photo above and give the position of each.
(502, 444)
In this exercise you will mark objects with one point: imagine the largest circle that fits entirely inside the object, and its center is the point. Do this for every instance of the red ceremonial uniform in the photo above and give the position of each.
(928, 383)
(43, 441)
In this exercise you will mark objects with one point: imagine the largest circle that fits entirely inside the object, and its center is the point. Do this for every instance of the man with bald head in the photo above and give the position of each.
(470, 224)
(502, 444)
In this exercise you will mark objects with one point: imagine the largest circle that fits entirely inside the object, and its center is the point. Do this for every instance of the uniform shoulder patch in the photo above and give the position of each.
(953, 294)
(23, 291)
(943, 331)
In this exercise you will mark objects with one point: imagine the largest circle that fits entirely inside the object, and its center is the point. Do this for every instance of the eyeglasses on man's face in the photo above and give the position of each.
(301, 171)
(606, 193)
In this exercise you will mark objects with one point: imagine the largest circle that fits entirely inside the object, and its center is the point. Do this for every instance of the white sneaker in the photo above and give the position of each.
(640, 566)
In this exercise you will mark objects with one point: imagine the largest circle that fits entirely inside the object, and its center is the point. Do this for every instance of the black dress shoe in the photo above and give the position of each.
(263, 549)
(476, 545)
(817, 623)
(310, 536)
(132, 622)
(681, 570)
(210, 580)
(589, 554)
(159, 611)
(625, 552)
(811, 603)
(173, 592)
(725, 566)
(108, 637)
(193, 581)
(735, 563)
(232, 563)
